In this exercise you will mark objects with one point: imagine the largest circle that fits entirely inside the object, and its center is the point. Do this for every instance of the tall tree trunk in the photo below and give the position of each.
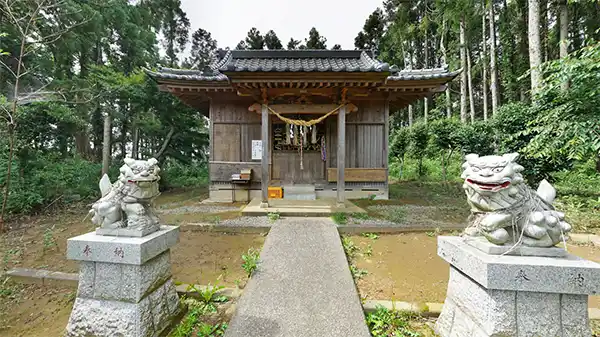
(107, 146)
(493, 70)
(134, 142)
(484, 65)
(82, 144)
(563, 13)
(123, 143)
(158, 155)
(97, 131)
(426, 100)
(535, 52)
(444, 63)
(470, 83)
(564, 28)
(410, 65)
(544, 29)
(463, 76)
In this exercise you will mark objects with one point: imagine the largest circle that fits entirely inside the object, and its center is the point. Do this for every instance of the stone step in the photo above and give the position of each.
(300, 196)
(298, 189)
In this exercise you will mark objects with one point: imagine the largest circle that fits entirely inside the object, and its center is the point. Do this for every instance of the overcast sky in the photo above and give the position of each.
(230, 20)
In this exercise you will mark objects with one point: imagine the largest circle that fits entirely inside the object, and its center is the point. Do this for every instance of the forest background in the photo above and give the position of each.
(74, 98)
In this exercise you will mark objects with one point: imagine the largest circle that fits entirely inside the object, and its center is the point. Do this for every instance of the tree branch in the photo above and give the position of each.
(165, 143)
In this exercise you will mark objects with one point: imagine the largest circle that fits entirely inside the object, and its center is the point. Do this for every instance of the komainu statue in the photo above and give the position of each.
(127, 204)
(507, 211)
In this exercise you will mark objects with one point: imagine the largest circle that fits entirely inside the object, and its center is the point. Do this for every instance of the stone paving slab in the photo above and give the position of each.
(302, 288)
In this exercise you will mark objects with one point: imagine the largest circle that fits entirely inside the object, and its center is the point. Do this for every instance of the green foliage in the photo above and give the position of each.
(273, 216)
(583, 179)
(568, 123)
(511, 123)
(48, 179)
(10, 254)
(189, 322)
(350, 248)
(250, 261)
(432, 168)
(368, 251)
(419, 140)
(360, 215)
(400, 143)
(6, 290)
(272, 41)
(208, 295)
(315, 40)
(384, 323)
(175, 174)
(49, 241)
(476, 138)
(357, 273)
(208, 330)
(371, 236)
(443, 133)
(339, 218)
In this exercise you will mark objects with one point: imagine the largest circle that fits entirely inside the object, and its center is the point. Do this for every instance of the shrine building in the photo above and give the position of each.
(307, 123)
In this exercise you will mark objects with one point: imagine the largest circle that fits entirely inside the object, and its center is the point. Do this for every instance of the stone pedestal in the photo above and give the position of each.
(520, 296)
(125, 285)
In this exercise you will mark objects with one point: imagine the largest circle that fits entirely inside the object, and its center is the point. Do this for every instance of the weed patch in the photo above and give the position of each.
(340, 218)
(250, 261)
(384, 323)
(208, 295)
(274, 216)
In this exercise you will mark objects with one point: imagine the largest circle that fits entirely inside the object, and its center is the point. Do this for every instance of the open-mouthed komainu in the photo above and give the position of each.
(504, 209)
(127, 202)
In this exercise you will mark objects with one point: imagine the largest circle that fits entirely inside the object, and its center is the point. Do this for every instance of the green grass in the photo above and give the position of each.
(384, 323)
(250, 259)
(274, 216)
(339, 218)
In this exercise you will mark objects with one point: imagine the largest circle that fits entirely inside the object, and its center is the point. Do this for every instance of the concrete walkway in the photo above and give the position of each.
(302, 288)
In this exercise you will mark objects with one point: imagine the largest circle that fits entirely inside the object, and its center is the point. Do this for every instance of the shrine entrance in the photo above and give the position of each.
(299, 152)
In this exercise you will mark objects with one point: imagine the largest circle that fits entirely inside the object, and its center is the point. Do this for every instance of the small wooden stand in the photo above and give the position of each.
(235, 182)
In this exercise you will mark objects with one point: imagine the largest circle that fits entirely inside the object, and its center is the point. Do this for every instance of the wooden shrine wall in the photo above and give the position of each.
(233, 128)
(365, 137)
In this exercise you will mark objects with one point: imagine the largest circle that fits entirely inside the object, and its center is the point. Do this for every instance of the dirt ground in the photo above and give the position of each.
(35, 311)
(199, 258)
(405, 267)
(40, 242)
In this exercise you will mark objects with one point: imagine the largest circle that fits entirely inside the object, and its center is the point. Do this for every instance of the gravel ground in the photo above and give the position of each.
(415, 216)
(248, 221)
(197, 209)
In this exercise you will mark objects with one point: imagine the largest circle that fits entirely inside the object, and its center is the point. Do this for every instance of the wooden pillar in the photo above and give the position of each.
(341, 156)
(386, 146)
(264, 181)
